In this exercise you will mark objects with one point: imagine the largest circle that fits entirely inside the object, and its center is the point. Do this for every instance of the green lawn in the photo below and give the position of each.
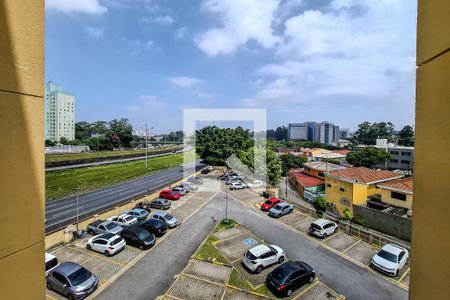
(66, 182)
(224, 224)
(209, 252)
(62, 157)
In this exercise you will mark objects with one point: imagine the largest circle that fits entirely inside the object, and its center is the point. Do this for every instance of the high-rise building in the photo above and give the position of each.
(324, 132)
(59, 113)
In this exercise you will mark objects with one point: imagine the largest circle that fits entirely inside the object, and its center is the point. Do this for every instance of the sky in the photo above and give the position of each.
(343, 61)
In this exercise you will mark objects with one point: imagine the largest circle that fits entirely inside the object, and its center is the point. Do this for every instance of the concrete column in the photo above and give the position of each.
(22, 149)
(430, 268)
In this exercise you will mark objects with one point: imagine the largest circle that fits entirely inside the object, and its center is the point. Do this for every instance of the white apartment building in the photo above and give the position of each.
(59, 113)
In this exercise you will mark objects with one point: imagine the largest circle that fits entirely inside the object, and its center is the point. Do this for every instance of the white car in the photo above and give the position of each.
(390, 259)
(123, 220)
(255, 184)
(262, 256)
(106, 243)
(51, 262)
(323, 228)
(236, 185)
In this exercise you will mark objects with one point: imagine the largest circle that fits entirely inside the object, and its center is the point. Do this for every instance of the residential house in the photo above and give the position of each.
(349, 186)
(307, 186)
(318, 168)
(398, 192)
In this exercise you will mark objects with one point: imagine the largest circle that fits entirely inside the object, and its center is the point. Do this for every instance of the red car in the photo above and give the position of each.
(169, 194)
(269, 204)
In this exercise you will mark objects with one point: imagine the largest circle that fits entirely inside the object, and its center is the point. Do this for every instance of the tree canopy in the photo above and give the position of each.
(368, 133)
(406, 136)
(290, 161)
(368, 157)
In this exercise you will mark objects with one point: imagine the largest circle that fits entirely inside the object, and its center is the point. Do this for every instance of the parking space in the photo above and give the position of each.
(319, 291)
(234, 248)
(303, 226)
(187, 287)
(340, 241)
(206, 270)
(292, 218)
(253, 278)
(225, 234)
(233, 294)
(361, 252)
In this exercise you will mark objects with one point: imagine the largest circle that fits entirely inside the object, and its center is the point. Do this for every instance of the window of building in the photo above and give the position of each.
(406, 153)
(321, 174)
(329, 185)
(394, 152)
(394, 160)
(398, 196)
(342, 189)
(405, 162)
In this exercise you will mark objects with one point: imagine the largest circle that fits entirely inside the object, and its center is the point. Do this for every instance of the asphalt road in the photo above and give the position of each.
(153, 275)
(64, 211)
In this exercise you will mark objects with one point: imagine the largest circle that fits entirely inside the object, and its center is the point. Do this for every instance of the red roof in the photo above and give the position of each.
(404, 185)
(364, 175)
(306, 180)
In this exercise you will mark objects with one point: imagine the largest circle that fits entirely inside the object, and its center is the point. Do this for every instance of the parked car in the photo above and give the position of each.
(323, 228)
(144, 205)
(169, 194)
(160, 203)
(189, 186)
(237, 186)
(100, 226)
(281, 209)
(72, 281)
(180, 190)
(155, 226)
(123, 220)
(207, 170)
(167, 218)
(390, 259)
(255, 184)
(106, 243)
(51, 262)
(196, 180)
(138, 237)
(138, 213)
(269, 203)
(288, 277)
(262, 256)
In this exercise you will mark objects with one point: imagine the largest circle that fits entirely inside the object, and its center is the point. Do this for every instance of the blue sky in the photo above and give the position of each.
(345, 61)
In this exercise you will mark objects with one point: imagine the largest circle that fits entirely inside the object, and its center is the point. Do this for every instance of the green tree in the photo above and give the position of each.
(368, 157)
(406, 136)
(64, 141)
(320, 203)
(290, 161)
(120, 132)
(49, 143)
(368, 133)
(273, 163)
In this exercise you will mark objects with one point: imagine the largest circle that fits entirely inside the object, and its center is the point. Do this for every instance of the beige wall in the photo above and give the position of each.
(430, 263)
(386, 197)
(22, 149)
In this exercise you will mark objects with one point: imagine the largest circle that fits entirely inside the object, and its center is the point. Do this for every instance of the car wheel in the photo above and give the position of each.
(324, 235)
(335, 229)
(281, 259)
(49, 286)
(291, 211)
(311, 279)
(259, 269)
(88, 247)
(107, 253)
(289, 293)
(91, 232)
(71, 297)
(141, 247)
(396, 273)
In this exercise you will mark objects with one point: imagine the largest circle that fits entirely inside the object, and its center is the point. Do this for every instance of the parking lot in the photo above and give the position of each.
(204, 279)
(347, 246)
(109, 268)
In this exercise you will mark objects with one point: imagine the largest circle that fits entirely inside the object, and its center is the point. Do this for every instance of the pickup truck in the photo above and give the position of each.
(100, 226)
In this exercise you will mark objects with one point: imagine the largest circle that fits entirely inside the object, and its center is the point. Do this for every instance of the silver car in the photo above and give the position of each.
(281, 209)
(167, 218)
(180, 190)
(72, 281)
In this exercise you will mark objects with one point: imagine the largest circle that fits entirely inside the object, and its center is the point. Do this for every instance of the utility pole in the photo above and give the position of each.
(146, 146)
(226, 204)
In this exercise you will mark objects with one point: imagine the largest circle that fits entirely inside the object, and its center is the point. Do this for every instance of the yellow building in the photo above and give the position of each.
(346, 187)
(398, 192)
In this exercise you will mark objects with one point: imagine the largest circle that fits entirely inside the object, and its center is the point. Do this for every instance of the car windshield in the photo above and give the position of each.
(128, 218)
(79, 276)
(269, 202)
(110, 226)
(168, 217)
(388, 256)
(142, 235)
(250, 256)
(116, 241)
(278, 207)
(280, 275)
(315, 226)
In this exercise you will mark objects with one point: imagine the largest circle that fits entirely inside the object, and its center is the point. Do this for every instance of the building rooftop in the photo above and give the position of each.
(363, 175)
(323, 166)
(331, 155)
(306, 180)
(343, 152)
(405, 185)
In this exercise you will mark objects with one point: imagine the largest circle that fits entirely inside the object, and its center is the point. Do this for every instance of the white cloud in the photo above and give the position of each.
(180, 32)
(76, 6)
(242, 21)
(161, 20)
(184, 81)
(94, 32)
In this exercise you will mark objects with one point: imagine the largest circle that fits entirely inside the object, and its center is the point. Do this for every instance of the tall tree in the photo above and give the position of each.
(406, 136)
(368, 157)
(273, 163)
(290, 161)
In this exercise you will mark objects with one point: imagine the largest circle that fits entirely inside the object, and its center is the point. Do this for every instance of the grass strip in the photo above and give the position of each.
(210, 253)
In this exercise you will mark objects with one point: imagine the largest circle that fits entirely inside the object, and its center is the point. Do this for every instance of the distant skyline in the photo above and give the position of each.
(343, 61)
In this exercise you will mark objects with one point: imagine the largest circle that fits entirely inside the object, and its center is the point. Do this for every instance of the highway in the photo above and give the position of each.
(63, 212)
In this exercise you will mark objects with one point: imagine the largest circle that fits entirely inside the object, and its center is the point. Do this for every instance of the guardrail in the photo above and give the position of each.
(86, 215)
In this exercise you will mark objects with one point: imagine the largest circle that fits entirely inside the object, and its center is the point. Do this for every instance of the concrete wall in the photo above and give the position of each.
(393, 225)
(430, 263)
(22, 149)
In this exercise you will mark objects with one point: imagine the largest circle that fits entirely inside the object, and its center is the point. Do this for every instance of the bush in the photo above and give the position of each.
(320, 203)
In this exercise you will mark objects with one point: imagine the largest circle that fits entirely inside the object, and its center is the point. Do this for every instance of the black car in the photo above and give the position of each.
(207, 170)
(196, 180)
(155, 226)
(288, 277)
(160, 203)
(139, 237)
